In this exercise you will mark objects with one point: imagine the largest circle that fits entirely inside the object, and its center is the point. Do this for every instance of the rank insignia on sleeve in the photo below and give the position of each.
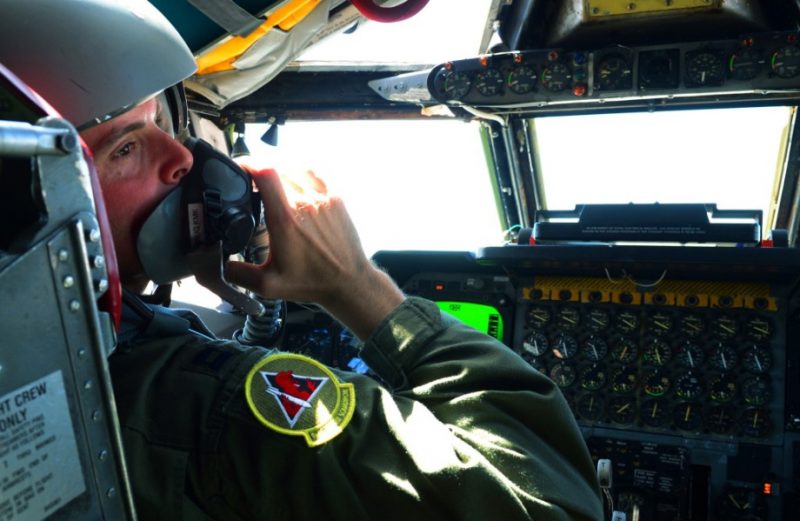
(296, 395)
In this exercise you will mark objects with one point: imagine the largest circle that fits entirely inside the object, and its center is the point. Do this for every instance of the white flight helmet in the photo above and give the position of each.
(92, 59)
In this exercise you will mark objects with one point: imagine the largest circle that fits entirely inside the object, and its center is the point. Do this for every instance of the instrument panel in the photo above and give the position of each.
(686, 381)
(759, 62)
(690, 370)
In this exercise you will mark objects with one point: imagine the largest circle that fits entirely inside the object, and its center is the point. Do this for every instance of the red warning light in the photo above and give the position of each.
(448, 66)
(748, 42)
(579, 90)
(767, 489)
(438, 286)
(484, 61)
(517, 58)
(552, 56)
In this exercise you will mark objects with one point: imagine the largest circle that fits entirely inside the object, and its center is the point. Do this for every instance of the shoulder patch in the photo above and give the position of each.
(296, 395)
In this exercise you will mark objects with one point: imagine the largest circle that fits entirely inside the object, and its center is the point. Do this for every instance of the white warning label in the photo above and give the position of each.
(39, 465)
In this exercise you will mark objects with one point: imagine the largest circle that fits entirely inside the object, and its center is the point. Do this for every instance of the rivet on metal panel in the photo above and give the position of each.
(87, 384)
(69, 281)
(98, 261)
(74, 305)
(102, 455)
(96, 416)
(93, 235)
(63, 255)
(101, 285)
(111, 492)
(81, 353)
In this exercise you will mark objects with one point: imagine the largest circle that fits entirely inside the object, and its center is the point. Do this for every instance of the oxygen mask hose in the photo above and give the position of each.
(265, 329)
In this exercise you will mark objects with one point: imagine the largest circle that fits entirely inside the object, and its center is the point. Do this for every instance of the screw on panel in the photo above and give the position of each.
(87, 384)
(93, 235)
(96, 416)
(69, 281)
(102, 455)
(111, 492)
(101, 285)
(98, 261)
(81, 353)
(74, 305)
(63, 255)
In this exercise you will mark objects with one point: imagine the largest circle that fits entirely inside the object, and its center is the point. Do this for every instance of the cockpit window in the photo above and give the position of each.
(731, 157)
(416, 185)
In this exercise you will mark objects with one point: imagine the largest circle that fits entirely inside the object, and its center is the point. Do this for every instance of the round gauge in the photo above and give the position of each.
(457, 85)
(623, 380)
(568, 318)
(659, 323)
(724, 327)
(597, 319)
(758, 328)
(657, 353)
(595, 348)
(538, 317)
(593, 377)
(564, 346)
(624, 350)
(690, 355)
(688, 416)
(756, 391)
(755, 422)
(756, 359)
(785, 62)
(658, 69)
(745, 504)
(656, 383)
(722, 388)
(721, 419)
(688, 387)
(632, 503)
(627, 322)
(556, 77)
(622, 409)
(535, 344)
(489, 82)
(614, 73)
(590, 407)
(705, 68)
(722, 356)
(691, 325)
(654, 413)
(563, 374)
(522, 79)
(745, 63)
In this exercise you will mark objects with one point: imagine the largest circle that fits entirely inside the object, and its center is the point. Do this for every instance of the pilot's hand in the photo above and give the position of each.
(315, 255)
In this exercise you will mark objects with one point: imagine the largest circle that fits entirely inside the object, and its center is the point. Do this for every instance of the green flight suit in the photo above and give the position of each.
(462, 429)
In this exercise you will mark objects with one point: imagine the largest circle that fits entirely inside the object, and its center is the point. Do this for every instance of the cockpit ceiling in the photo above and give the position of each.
(532, 24)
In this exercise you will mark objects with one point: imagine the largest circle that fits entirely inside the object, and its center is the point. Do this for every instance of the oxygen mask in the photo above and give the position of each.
(211, 215)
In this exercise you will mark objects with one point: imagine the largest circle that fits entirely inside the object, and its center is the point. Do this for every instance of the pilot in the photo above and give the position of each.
(454, 426)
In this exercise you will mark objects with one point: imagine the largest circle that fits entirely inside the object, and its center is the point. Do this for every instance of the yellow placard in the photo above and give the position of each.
(605, 8)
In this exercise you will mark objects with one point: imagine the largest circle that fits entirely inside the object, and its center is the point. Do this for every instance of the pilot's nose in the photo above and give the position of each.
(176, 160)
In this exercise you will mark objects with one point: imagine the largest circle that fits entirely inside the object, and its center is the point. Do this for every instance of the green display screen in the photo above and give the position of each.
(480, 316)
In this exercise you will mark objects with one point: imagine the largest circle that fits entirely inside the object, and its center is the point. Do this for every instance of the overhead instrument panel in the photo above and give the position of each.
(767, 64)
